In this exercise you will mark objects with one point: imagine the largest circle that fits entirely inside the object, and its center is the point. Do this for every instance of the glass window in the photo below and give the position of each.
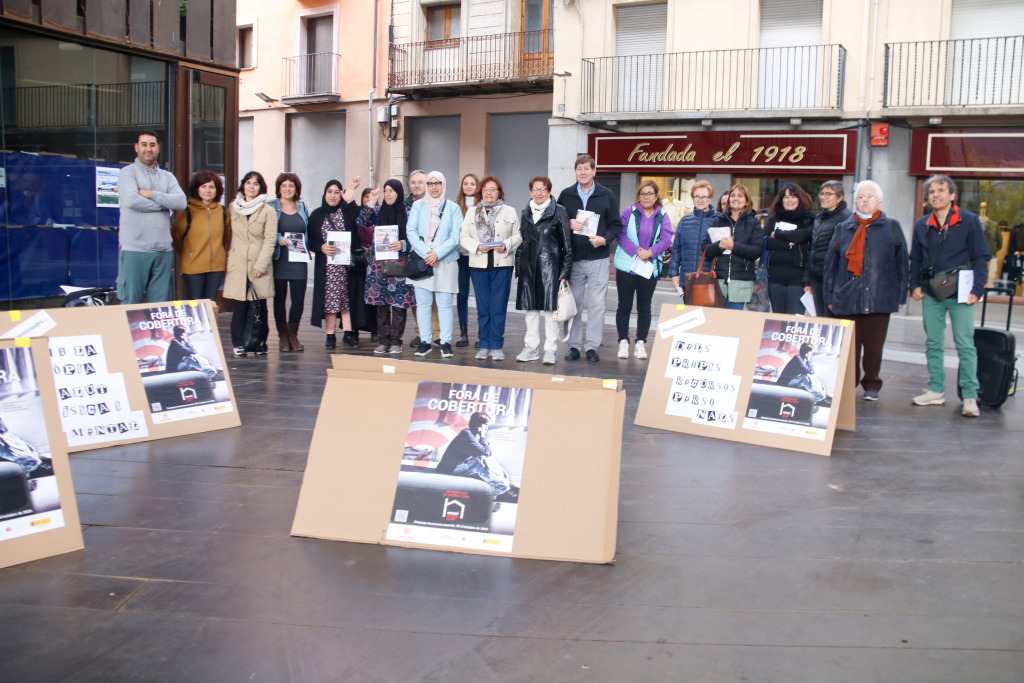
(443, 22)
(69, 119)
(246, 48)
(1000, 206)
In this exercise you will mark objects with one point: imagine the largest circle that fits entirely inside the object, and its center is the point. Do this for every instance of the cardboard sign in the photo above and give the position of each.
(547, 487)
(133, 373)
(761, 378)
(38, 512)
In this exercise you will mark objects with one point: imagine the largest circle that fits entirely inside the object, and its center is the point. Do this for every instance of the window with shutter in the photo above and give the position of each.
(789, 58)
(640, 44)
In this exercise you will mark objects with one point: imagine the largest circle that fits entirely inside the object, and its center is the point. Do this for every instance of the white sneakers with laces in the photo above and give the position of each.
(930, 398)
(640, 350)
(624, 348)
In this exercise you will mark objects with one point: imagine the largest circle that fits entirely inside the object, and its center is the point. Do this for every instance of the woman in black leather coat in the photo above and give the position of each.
(735, 270)
(788, 231)
(543, 261)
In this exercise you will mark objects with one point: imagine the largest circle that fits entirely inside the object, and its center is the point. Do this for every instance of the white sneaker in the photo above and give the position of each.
(497, 354)
(482, 354)
(640, 351)
(526, 355)
(624, 348)
(549, 358)
(970, 408)
(930, 398)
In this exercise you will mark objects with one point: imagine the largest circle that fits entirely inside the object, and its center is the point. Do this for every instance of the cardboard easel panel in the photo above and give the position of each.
(124, 351)
(38, 511)
(568, 502)
(717, 328)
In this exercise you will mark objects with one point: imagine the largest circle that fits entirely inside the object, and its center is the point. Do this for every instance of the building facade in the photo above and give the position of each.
(78, 82)
(312, 84)
(763, 91)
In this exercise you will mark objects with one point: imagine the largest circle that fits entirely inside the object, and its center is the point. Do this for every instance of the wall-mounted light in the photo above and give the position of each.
(707, 123)
(935, 121)
(795, 122)
(265, 97)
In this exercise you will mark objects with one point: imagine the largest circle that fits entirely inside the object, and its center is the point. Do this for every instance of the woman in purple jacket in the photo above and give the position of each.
(646, 232)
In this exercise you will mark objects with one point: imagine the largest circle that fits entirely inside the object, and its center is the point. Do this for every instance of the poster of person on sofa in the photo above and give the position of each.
(179, 358)
(795, 378)
(29, 499)
(458, 485)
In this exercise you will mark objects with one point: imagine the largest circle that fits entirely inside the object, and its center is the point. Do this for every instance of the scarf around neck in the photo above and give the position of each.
(539, 209)
(248, 208)
(855, 252)
(484, 219)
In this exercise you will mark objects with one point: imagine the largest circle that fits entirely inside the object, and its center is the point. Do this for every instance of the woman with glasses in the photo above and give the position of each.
(543, 262)
(490, 233)
(735, 256)
(433, 232)
(833, 213)
(867, 274)
(647, 231)
(690, 233)
(787, 234)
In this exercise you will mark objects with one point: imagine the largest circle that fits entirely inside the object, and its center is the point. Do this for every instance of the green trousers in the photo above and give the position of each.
(961, 318)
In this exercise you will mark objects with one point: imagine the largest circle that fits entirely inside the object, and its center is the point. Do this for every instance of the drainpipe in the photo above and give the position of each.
(871, 89)
(373, 89)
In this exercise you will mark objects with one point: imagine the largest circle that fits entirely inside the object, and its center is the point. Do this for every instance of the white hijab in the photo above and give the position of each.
(434, 205)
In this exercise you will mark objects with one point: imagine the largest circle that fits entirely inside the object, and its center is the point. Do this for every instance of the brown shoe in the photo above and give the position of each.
(283, 342)
(293, 337)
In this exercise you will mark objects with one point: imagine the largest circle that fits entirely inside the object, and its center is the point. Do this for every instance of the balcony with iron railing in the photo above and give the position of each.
(965, 76)
(501, 62)
(311, 78)
(770, 82)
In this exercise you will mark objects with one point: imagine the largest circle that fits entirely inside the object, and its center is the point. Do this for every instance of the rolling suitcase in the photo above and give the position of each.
(997, 351)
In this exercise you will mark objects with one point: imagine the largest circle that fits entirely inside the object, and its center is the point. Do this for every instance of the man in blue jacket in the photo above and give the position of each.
(589, 278)
(690, 233)
(949, 237)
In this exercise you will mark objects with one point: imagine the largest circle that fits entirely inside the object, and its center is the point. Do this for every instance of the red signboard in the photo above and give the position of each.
(811, 153)
(977, 153)
(879, 134)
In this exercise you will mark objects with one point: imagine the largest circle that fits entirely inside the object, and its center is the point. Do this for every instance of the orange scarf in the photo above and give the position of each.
(855, 252)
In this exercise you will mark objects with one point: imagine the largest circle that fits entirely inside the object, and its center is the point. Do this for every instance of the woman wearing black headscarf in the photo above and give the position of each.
(331, 283)
(391, 296)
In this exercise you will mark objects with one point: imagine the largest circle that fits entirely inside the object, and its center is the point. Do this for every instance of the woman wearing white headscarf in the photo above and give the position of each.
(433, 231)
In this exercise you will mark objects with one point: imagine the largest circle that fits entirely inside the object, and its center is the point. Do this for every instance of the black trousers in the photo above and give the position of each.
(298, 289)
(203, 285)
(786, 298)
(631, 285)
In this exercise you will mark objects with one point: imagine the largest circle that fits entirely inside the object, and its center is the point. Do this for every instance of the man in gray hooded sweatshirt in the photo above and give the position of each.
(147, 195)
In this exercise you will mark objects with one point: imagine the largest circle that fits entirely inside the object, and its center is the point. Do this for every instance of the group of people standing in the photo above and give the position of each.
(853, 264)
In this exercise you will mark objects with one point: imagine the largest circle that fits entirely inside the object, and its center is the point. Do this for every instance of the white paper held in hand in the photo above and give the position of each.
(964, 285)
(808, 301)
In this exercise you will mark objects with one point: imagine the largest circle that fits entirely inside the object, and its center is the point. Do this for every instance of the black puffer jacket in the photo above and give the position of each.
(825, 224)
(544, 258)
(748, 243)
(785, 262)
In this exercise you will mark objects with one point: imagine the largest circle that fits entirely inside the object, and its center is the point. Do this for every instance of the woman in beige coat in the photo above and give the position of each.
(490, 234)
(253, 236)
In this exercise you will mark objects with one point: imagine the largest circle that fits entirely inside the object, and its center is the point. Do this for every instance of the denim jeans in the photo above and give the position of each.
(492, 289)
(424, 304)
(488, 470)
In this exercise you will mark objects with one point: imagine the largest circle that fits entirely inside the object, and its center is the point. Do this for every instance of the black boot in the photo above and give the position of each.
(331, 343)
(463, 337)
(348, 340)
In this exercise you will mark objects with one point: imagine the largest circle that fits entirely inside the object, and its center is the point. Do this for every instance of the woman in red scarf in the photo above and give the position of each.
(867, 272)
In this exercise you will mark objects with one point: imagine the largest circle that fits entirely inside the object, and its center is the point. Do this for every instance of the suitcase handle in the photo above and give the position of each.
(984, 304)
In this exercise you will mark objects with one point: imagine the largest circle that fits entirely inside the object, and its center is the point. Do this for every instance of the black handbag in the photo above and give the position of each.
(416, 268)
(393, 267)
(256, 328)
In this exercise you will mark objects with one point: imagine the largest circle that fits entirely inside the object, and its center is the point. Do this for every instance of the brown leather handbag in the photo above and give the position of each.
(701, 287)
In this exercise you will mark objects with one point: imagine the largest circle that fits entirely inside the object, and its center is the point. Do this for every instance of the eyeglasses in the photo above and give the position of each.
(648, 194)
(489, 189)
(433, 183)
(697, 197)
(865, 197)
(538, 189)
(826, 193)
